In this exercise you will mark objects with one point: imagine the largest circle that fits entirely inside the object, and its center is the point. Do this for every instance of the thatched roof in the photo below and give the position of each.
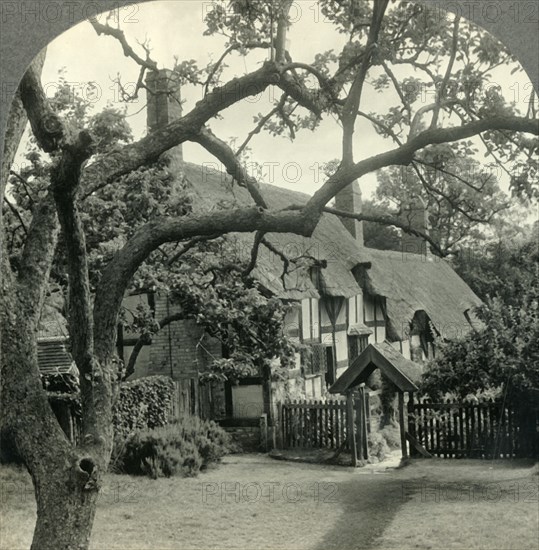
(407, 281)
(401, 371)
(330, 242)
(410, 283)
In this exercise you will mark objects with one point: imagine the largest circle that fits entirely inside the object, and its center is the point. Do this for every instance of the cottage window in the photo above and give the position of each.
(314, 360)
(356, 344)
(310, 319)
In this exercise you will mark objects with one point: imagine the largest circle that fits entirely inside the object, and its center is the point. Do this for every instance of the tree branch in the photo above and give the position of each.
(261, 124)
(46, 125)
(404, 155)
(282, 27)
(231, 48)
(37, 254)
(24, 184)
(17, 214)
(399, 91)
(414, 126)
(220, 150)
(448, 173)
(191, 244)
(130, 157)
(389, 131)
(351, 105)
(119, 35)
(119, 271)
(65, 178)
(16, 123)
(447, 75)
(388, 220)
(292, 86)
(259, 235)
(432, 190)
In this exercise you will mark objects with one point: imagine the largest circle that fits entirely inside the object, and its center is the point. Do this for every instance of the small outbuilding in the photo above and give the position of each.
(60, 378)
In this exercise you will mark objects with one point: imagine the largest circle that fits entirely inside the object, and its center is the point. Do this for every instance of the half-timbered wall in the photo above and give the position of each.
(374, 317)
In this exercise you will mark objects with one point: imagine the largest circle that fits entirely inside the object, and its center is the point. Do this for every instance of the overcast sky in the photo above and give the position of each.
(175, 28)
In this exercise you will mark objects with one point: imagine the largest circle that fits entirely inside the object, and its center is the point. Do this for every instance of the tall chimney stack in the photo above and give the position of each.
(164, 102)
(415, 215)
(349, 200)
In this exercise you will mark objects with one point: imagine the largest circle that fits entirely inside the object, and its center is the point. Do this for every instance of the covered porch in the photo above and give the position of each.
(402, 372)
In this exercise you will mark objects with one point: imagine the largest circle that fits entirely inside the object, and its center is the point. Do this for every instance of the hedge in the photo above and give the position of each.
(144, 403)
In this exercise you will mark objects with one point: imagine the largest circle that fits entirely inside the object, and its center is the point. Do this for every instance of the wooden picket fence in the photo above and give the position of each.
(466, 429)
(335, 425)
(314, 424)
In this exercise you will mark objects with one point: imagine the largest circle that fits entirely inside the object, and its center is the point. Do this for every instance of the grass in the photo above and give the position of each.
(466, 504)
(253, 502)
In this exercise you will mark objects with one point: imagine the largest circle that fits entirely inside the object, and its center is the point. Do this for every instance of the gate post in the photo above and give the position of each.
(404, 446)
(361, 423)
(350, 426)
(411, 421)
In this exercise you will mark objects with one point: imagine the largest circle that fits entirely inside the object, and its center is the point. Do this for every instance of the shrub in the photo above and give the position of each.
(159, 453)
(377, 446)
(143, 403)
(183, 448)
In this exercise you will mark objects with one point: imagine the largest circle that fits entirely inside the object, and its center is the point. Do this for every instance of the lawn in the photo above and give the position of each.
(254, 502)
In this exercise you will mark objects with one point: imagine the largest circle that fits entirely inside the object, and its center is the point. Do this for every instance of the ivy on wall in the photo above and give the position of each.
(143, 403)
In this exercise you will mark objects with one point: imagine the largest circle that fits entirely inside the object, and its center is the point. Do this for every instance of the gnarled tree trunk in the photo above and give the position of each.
(65, 478)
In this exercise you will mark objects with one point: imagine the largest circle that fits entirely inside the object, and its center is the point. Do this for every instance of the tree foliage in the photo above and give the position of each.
(504, 351)
(208, 283)
(210, 287)
(460, 195)
(503, 266)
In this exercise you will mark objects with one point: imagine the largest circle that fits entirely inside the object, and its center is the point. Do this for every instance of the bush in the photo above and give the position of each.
(182, 448)
(144, 403)
(377, 446)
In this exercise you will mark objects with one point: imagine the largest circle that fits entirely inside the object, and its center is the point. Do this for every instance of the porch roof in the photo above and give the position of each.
(401, 371)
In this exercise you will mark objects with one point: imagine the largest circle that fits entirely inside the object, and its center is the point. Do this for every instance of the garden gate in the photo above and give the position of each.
(341, 425)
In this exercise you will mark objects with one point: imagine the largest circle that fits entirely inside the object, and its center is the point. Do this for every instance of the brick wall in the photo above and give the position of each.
(182, 350)
(163, 101)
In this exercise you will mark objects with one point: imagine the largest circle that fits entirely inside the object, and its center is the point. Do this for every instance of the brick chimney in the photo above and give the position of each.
(415, 215)
(349, 200)
(163, 102)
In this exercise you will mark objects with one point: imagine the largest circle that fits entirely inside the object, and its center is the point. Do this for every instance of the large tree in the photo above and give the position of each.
(449, 57)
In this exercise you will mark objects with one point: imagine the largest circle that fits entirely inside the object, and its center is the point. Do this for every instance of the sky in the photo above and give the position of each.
(175, 28)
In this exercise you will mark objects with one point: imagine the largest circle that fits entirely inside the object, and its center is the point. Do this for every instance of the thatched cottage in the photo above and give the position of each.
(362, 296)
